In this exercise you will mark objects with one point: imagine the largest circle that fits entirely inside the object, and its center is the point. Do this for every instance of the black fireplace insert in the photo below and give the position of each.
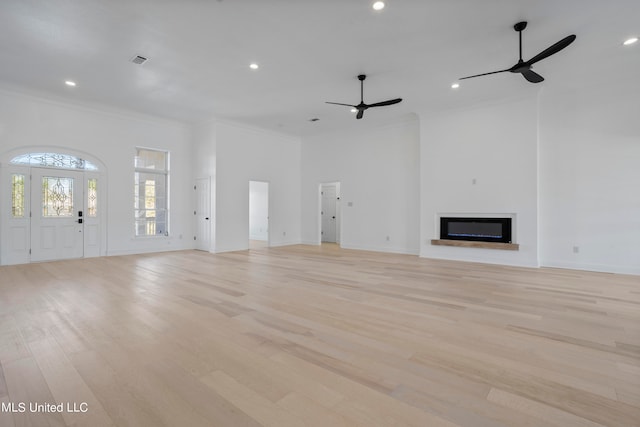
(476, 229)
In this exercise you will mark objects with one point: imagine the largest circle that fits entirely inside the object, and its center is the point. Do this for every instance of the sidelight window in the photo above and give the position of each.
(92, 197)
(17, 195)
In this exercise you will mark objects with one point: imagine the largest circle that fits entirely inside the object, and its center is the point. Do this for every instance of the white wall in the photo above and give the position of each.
(110, 136)
(245, 154)
(564, 162)
(377, 168)
(204, 150)
(590, 178)
(495, 145)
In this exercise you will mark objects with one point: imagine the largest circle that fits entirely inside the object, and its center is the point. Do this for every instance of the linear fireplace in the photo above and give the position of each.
(476, 229)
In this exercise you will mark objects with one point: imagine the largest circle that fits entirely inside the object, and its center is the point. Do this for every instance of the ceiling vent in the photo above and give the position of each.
(138, 60)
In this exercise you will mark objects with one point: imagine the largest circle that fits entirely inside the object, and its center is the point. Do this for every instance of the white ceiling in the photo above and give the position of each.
(309, 52)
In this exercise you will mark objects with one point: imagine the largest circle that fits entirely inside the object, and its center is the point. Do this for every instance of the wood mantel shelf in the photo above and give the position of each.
(484, 245)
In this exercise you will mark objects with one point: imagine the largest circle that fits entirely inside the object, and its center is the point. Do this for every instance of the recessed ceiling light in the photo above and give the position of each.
(254, 66)
(455, 86)
(379, 5)
(632, 40)
(354, 110)
(70, 83)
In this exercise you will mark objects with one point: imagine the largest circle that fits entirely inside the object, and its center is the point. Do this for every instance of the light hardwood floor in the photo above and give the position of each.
(317, 336)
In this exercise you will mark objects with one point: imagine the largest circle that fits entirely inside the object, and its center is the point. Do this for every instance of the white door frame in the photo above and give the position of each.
(337, 186)
(95, 228)
(202, 214)
(268, 208)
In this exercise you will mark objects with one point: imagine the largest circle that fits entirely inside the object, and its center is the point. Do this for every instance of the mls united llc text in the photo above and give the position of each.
(34, 407)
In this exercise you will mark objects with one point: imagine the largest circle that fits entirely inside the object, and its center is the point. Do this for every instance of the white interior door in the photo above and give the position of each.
(329, 212)
(203, 214)
(259, 211)
(57, 214)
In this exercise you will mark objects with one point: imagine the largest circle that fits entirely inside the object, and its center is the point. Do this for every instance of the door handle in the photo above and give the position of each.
(80, 221)
(333, 217)
(207, 218)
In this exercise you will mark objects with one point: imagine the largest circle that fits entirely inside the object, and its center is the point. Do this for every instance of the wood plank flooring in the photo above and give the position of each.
(316, 336)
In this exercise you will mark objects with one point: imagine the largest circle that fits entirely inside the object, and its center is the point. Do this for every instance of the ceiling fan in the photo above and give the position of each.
(524, 67)
(362, 106)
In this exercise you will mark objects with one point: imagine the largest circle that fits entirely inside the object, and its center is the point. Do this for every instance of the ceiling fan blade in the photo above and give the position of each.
(383, 103)
(532, 76)
(555, 48)
(483, 74)
(360, 114)
(337, 103)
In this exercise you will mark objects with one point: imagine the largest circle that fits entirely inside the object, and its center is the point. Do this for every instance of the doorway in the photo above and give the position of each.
(258, 214)
(202, 213)
(54, 204)
(330, 212)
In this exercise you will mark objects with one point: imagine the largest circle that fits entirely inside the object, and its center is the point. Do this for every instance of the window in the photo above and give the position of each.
(54, 160)
(92, 197)
(151, 203)
(57, 197)
(17, 195)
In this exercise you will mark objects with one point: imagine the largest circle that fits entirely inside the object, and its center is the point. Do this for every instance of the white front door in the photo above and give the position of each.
(57, 214)
(203, 214)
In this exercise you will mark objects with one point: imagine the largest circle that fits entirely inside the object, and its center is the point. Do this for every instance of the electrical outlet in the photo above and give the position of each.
(388, 238)
(576, 249)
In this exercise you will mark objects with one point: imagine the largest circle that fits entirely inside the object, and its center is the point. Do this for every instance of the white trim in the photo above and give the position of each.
(96, 108)
(280, 244)
(599, 268)
(254, 129)
(387, 249)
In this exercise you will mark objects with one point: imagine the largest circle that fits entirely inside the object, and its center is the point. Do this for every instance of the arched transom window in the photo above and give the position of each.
(54, 160)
